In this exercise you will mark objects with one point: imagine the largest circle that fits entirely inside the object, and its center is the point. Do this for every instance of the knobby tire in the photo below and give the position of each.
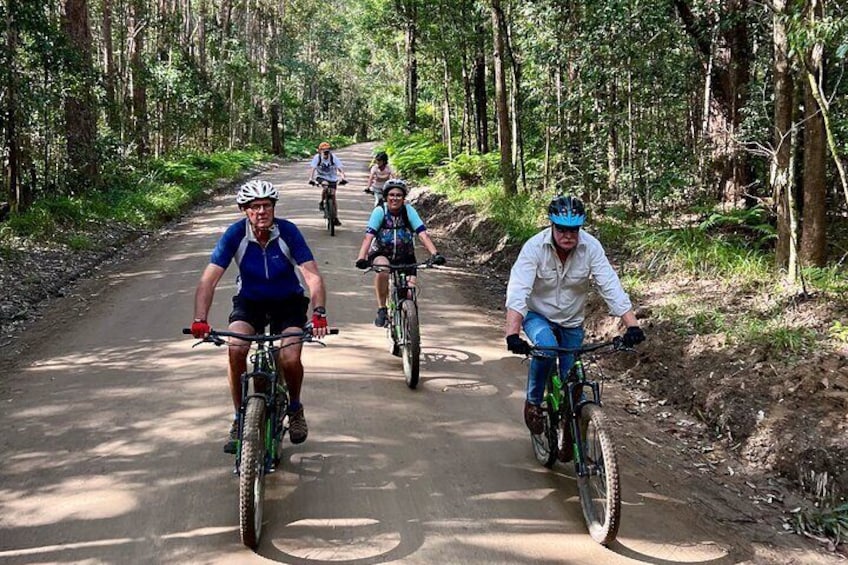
(252, 473)
(411, 342)
(331, 216)
(600, 491)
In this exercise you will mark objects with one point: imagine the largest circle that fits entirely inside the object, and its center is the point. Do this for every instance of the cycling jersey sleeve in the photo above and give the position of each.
(375, 222)
(227, 245)
(414, 219)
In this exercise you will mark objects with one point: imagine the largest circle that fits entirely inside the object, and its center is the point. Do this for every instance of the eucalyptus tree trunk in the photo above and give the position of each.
(138, 31)
(781, 177)
(504, 133)
(80, 105)
(813, 248)
(447, 134)
(19, 196)
(481, 122)
(729, 61)
(113, 118)
(276, 134)
(411, 69)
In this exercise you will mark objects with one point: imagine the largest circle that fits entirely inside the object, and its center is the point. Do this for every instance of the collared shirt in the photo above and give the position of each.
(265, 272)
(541, 283)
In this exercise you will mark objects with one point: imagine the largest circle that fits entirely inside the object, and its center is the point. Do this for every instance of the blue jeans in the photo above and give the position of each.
(544, 333)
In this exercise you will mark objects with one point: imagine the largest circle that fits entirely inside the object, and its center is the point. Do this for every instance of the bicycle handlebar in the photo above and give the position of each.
(428, 264)
(216, 335)
(617, 344)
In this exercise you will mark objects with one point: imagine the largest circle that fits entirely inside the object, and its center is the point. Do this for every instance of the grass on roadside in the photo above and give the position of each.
(140, 199)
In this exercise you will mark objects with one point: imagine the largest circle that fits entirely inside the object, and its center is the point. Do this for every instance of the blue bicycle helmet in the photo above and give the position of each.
(567, 211)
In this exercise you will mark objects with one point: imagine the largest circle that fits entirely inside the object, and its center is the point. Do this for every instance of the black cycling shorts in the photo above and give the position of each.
(402, 260)
(288, 312)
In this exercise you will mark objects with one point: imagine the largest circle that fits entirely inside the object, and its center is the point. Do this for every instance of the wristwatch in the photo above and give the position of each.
(320, 310)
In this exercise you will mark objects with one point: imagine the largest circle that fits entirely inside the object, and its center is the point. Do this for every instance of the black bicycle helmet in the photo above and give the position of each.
(567, 211)
(394, 183)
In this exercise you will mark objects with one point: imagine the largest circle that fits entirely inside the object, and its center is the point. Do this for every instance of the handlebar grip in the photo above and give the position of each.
(187, 331)
(334, 331)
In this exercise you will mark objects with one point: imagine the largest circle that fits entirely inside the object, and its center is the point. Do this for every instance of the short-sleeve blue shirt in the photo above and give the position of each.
(267, 273)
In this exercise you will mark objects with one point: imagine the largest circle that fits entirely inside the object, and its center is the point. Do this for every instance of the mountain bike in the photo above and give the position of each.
(577, 430)
(262, 422)
(331, 212)
(403, 328)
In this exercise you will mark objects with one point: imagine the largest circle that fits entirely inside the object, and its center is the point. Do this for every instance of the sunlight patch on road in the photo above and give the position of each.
(684, 552)
(526, 494)
(87, 498)
(336, 539)
(466, 387)
(660, 497)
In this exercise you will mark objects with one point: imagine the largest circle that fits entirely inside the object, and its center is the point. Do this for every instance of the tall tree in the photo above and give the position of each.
(813, 247)
(501, 104)
(80, 104)
(781, 166)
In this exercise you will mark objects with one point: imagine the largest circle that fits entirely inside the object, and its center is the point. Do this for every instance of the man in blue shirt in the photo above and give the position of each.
(275, 267)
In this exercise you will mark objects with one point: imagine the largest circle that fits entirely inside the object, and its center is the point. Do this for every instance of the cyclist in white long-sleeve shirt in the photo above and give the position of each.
(547, 294)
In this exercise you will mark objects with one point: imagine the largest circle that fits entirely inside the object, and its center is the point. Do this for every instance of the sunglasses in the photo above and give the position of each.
(566, 229)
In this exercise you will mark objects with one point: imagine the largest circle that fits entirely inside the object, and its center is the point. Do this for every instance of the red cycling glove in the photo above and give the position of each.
(319, 318)
(200, 329)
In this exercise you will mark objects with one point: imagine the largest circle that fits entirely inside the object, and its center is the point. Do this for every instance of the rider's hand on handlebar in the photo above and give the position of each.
(319, 322)
(343, 181)
(515, 344)
(633, 336)
(362, 264)
(438, 259)
(200, 329)
(311, 183)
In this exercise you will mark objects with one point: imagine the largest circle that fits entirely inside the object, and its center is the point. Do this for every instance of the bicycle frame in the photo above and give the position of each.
(275, 396)
(567, 395)
(561, 398)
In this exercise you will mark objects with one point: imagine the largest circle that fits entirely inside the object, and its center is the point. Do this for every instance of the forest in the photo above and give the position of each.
(712, 134)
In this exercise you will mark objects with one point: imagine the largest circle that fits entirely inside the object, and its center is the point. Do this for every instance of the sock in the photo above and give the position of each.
(295, 405)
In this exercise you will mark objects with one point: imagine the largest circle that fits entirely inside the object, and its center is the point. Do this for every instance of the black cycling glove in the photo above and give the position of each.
(515, 344)
(633, 336)
(362, 263)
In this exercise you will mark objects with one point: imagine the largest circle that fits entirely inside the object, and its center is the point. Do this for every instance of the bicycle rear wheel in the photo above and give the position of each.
(600, 492)
(252, 473)
(411, 342)
(331, 215)
(545, 443)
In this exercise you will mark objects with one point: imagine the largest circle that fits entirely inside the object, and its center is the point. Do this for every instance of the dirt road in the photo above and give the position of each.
(113, 426)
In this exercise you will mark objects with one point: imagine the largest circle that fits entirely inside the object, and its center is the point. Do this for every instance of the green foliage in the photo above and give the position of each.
(140, 198)
(773, 334)
(838, 331)
(698, 252)
(416, 155)
(470, 170)
(825, 523)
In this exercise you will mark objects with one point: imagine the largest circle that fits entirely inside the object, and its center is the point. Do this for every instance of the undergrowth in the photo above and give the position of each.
(135, 198)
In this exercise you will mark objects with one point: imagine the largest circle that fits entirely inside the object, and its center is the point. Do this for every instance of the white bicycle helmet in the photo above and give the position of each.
(254, 190)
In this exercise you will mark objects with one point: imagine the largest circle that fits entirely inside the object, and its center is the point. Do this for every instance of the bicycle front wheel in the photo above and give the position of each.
(331, 216)
(411, 342)
(600, 492)
(252, 473)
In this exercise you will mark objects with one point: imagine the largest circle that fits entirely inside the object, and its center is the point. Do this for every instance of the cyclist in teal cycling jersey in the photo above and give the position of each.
(389, 238)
